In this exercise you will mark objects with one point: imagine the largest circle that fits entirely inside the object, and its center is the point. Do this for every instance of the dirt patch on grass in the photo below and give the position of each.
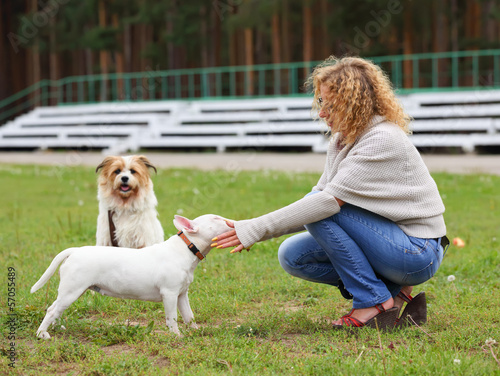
(118, 349)
(161, 362)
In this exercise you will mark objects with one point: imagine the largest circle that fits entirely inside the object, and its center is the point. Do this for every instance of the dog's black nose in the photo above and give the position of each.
(124, 179)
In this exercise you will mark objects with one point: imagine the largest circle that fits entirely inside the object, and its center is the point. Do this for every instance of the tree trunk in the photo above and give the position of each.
(147, 88)
(276, 45)
(120, 61)
(249, 61)
(34, 58)
(472, 25)
(169, 25)
(454, 26)
(19, 63)
(233, 51)
(261, 42)
(233, 56)
(136, 60)
(204, 37)
(307, 35)
(488, 33)
(103, 55)
(215, 51)
(5, 89)
(325, 37)
(53, 59)
(489, 23)
(408, 49)
(285, 32)
(441, 40)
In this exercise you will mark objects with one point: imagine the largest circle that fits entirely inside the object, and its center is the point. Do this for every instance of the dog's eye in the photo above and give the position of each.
(117, 171)
(132, 171)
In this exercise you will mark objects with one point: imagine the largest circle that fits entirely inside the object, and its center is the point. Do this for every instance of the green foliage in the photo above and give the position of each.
(68, 351)
(100, 38)
(359, 27)
(110, 335)
(26, 317)
(124, 365)
(254, 318)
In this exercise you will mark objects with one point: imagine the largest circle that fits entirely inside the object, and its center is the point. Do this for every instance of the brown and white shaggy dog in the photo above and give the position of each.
(126, 197)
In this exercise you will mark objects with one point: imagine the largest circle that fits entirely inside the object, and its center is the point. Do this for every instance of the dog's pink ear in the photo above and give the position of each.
(183, 224)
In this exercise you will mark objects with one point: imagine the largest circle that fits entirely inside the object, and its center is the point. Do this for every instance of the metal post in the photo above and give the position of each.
(416, 76)
(69, 93)
(191, 86)
(454, 71)
(496, 70)
(91, 89)
(204, 85)
(127, 88)
(434, 72)
(151, 88)
(475, 71)
(79, 89)
(262, 82)
(114, 91)
(218, 84)
(232, 83)
(178, 88)
(164, 87)
(277, 81)
(293, 79)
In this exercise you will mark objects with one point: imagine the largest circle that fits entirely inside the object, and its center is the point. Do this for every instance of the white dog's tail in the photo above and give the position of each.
(52, 268)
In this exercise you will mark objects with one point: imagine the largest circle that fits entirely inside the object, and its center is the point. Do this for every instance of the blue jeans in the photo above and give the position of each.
(372, 256)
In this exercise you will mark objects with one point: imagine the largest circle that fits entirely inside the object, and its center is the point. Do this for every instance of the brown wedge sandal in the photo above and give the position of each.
(415, 311)
(383, 320)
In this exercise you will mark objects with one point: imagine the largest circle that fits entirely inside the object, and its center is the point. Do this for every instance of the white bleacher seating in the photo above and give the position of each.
(465, 120)
(461, 120)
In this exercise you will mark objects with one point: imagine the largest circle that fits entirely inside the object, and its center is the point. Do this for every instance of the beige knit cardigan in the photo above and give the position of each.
(381, 171)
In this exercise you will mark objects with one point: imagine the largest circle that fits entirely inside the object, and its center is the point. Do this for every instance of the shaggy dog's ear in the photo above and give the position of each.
(104, 163)
(146, 162)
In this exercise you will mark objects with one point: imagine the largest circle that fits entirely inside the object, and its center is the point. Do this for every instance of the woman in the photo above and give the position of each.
(374, 220)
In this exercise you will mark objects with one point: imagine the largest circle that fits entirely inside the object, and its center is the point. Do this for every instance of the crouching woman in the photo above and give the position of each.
(374, 220)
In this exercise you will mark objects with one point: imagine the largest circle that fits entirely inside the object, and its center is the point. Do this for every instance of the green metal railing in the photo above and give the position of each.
(459, 70)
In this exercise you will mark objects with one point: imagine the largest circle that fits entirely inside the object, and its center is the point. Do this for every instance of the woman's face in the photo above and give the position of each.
(323, 95)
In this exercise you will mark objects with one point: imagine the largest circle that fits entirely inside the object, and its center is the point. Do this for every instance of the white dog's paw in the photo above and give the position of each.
(63, 327)
(43, 335)
(193, 325)
(175, 331)
(177, 334)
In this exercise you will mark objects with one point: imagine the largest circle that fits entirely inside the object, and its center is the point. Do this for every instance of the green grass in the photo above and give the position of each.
(254, 318)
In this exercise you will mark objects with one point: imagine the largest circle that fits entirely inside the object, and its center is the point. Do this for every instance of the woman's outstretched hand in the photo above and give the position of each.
(228, 239)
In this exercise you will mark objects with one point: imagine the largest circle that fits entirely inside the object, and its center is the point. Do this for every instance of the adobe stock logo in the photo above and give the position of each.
(380, 20)
(30, 27)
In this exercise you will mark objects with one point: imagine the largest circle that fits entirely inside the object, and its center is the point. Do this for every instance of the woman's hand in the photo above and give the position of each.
(228, 239)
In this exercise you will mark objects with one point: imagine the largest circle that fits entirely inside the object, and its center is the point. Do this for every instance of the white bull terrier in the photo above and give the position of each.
(159, 273)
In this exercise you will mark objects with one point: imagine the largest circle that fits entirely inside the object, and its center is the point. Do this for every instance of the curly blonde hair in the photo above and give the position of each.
(358, 90)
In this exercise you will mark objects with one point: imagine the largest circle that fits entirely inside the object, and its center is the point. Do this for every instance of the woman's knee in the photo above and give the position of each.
(295, 250)
(286, 253)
